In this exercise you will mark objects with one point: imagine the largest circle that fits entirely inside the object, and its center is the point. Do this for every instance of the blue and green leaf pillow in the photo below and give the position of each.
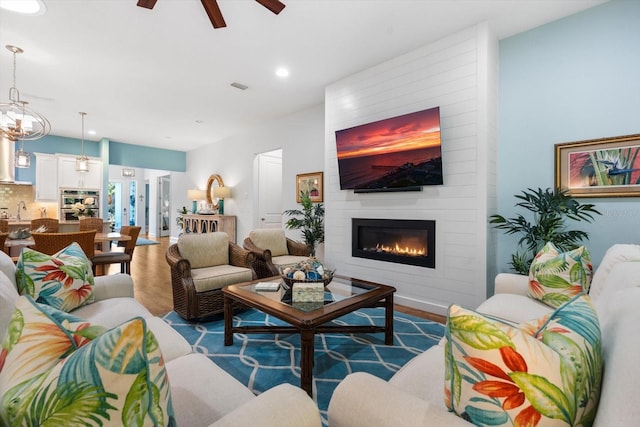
(56, 369)
(63, 280)
(541, 373)
(555, 277)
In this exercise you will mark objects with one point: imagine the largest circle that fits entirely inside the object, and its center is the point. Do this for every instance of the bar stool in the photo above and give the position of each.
(51, 224)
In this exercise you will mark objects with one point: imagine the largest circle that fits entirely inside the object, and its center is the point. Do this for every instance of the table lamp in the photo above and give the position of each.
(221, 193)
(195, 195)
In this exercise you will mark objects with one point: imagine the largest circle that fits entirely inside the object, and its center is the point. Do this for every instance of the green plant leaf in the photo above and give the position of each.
(544, 396)
(555, 299)
(478, 333)
(552, 281)
(309, 220)
(546, 221)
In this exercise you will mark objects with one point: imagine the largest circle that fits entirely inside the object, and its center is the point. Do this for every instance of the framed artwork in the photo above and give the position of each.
(606, 167)
(311, 183)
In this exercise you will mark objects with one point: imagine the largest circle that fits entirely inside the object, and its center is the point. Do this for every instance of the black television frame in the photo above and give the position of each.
(391, 120)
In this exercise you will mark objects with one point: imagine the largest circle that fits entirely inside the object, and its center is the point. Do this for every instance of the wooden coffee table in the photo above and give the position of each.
(309, 319)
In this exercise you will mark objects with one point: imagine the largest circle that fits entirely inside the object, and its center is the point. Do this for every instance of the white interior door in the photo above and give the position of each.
(270, 189)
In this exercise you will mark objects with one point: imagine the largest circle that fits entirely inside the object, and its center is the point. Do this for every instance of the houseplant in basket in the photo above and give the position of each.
(547, 222)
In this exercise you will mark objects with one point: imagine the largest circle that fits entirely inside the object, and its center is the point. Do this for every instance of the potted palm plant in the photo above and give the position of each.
(549, 210)
(309, 220)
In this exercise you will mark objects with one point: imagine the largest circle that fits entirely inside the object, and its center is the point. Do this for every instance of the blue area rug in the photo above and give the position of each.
(261, 361)
(142, 242)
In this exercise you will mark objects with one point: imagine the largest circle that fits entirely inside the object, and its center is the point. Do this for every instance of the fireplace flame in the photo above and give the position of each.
(396, 249)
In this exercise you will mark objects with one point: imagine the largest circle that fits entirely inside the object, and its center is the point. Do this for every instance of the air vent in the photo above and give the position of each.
(239, 86)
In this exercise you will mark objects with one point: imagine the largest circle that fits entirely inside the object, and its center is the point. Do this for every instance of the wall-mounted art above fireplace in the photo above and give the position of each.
(411, 242)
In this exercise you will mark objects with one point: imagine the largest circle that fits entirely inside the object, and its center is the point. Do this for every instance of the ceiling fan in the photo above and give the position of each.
(214, 13)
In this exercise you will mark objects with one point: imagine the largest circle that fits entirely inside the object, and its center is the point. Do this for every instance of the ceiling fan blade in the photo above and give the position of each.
(213, 11)
(147, 4)
(274, 6)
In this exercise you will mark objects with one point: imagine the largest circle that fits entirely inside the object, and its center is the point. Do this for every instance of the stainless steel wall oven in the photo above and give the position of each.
(70, 196)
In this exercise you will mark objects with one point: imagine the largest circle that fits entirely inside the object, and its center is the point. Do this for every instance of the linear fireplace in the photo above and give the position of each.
(403, 241)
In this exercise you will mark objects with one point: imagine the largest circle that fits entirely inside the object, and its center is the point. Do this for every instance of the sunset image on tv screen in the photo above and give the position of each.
(402, 151)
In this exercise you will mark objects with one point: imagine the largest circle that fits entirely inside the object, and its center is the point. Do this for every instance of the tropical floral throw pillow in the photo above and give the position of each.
(116, 378)
(555, 277)
(542, 373)
(63, 280)
(38, 337)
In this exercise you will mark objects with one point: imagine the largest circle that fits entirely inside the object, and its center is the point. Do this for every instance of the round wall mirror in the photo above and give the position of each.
(215, 180)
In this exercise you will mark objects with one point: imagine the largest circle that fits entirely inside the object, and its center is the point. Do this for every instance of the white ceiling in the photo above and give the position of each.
(147, 77)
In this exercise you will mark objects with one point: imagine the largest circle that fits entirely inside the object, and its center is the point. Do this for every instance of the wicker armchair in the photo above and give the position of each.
(201, 265)
(273, 251)
(51, 224)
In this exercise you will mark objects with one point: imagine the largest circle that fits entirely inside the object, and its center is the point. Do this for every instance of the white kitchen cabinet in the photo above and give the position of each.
(68, 177)
(46, 177)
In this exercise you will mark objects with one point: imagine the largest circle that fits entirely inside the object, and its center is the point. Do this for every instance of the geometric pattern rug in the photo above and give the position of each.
(262, 361)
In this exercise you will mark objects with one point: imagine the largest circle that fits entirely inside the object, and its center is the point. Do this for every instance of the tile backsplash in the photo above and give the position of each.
(11, 195)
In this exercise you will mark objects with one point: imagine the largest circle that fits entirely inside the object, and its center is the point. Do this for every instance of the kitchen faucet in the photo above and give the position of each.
(24, 208)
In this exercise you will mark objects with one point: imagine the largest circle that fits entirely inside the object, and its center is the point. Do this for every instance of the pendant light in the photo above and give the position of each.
(16, 120)
(82, 162)
(22, 158)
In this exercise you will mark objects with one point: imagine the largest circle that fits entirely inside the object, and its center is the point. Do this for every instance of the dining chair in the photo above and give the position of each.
(122, 254)
(50, 243)
(92, 223)
(52, 225)
(3, 237)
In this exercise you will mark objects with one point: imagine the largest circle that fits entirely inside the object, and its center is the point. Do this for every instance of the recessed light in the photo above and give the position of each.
(24, 7)
(282, 72)
(92, 132)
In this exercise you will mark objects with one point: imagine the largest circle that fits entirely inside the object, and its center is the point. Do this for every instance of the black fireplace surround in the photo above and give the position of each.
(404, 241)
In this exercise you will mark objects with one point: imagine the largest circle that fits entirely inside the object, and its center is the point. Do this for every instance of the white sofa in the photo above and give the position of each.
(415, 394)
(202, 393)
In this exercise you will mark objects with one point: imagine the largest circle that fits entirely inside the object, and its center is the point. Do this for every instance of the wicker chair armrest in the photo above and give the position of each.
(239, 256)
(259, 253)
(298, 248)
(176, 262)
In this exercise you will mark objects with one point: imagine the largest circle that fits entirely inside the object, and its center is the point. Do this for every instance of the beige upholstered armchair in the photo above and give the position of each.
(201, 265)
(273, 251)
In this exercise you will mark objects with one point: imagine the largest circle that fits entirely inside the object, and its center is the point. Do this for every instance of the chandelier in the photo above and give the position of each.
(17, 121)
(82, 162)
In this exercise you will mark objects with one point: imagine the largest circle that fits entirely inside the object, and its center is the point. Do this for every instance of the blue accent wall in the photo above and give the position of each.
(114, 153)
(570, 80)
(147, 157)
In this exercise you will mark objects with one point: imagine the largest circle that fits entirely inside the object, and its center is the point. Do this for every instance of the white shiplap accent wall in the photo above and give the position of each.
(458, 74)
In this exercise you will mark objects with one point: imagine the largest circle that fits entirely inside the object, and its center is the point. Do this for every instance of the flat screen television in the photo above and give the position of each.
(396, 154)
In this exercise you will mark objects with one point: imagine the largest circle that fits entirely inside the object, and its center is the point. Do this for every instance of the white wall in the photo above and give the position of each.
(301, 138)
(459, 74)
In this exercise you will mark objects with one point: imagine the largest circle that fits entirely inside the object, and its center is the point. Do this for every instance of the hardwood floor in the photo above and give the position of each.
(151, 276)
(152, 281)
